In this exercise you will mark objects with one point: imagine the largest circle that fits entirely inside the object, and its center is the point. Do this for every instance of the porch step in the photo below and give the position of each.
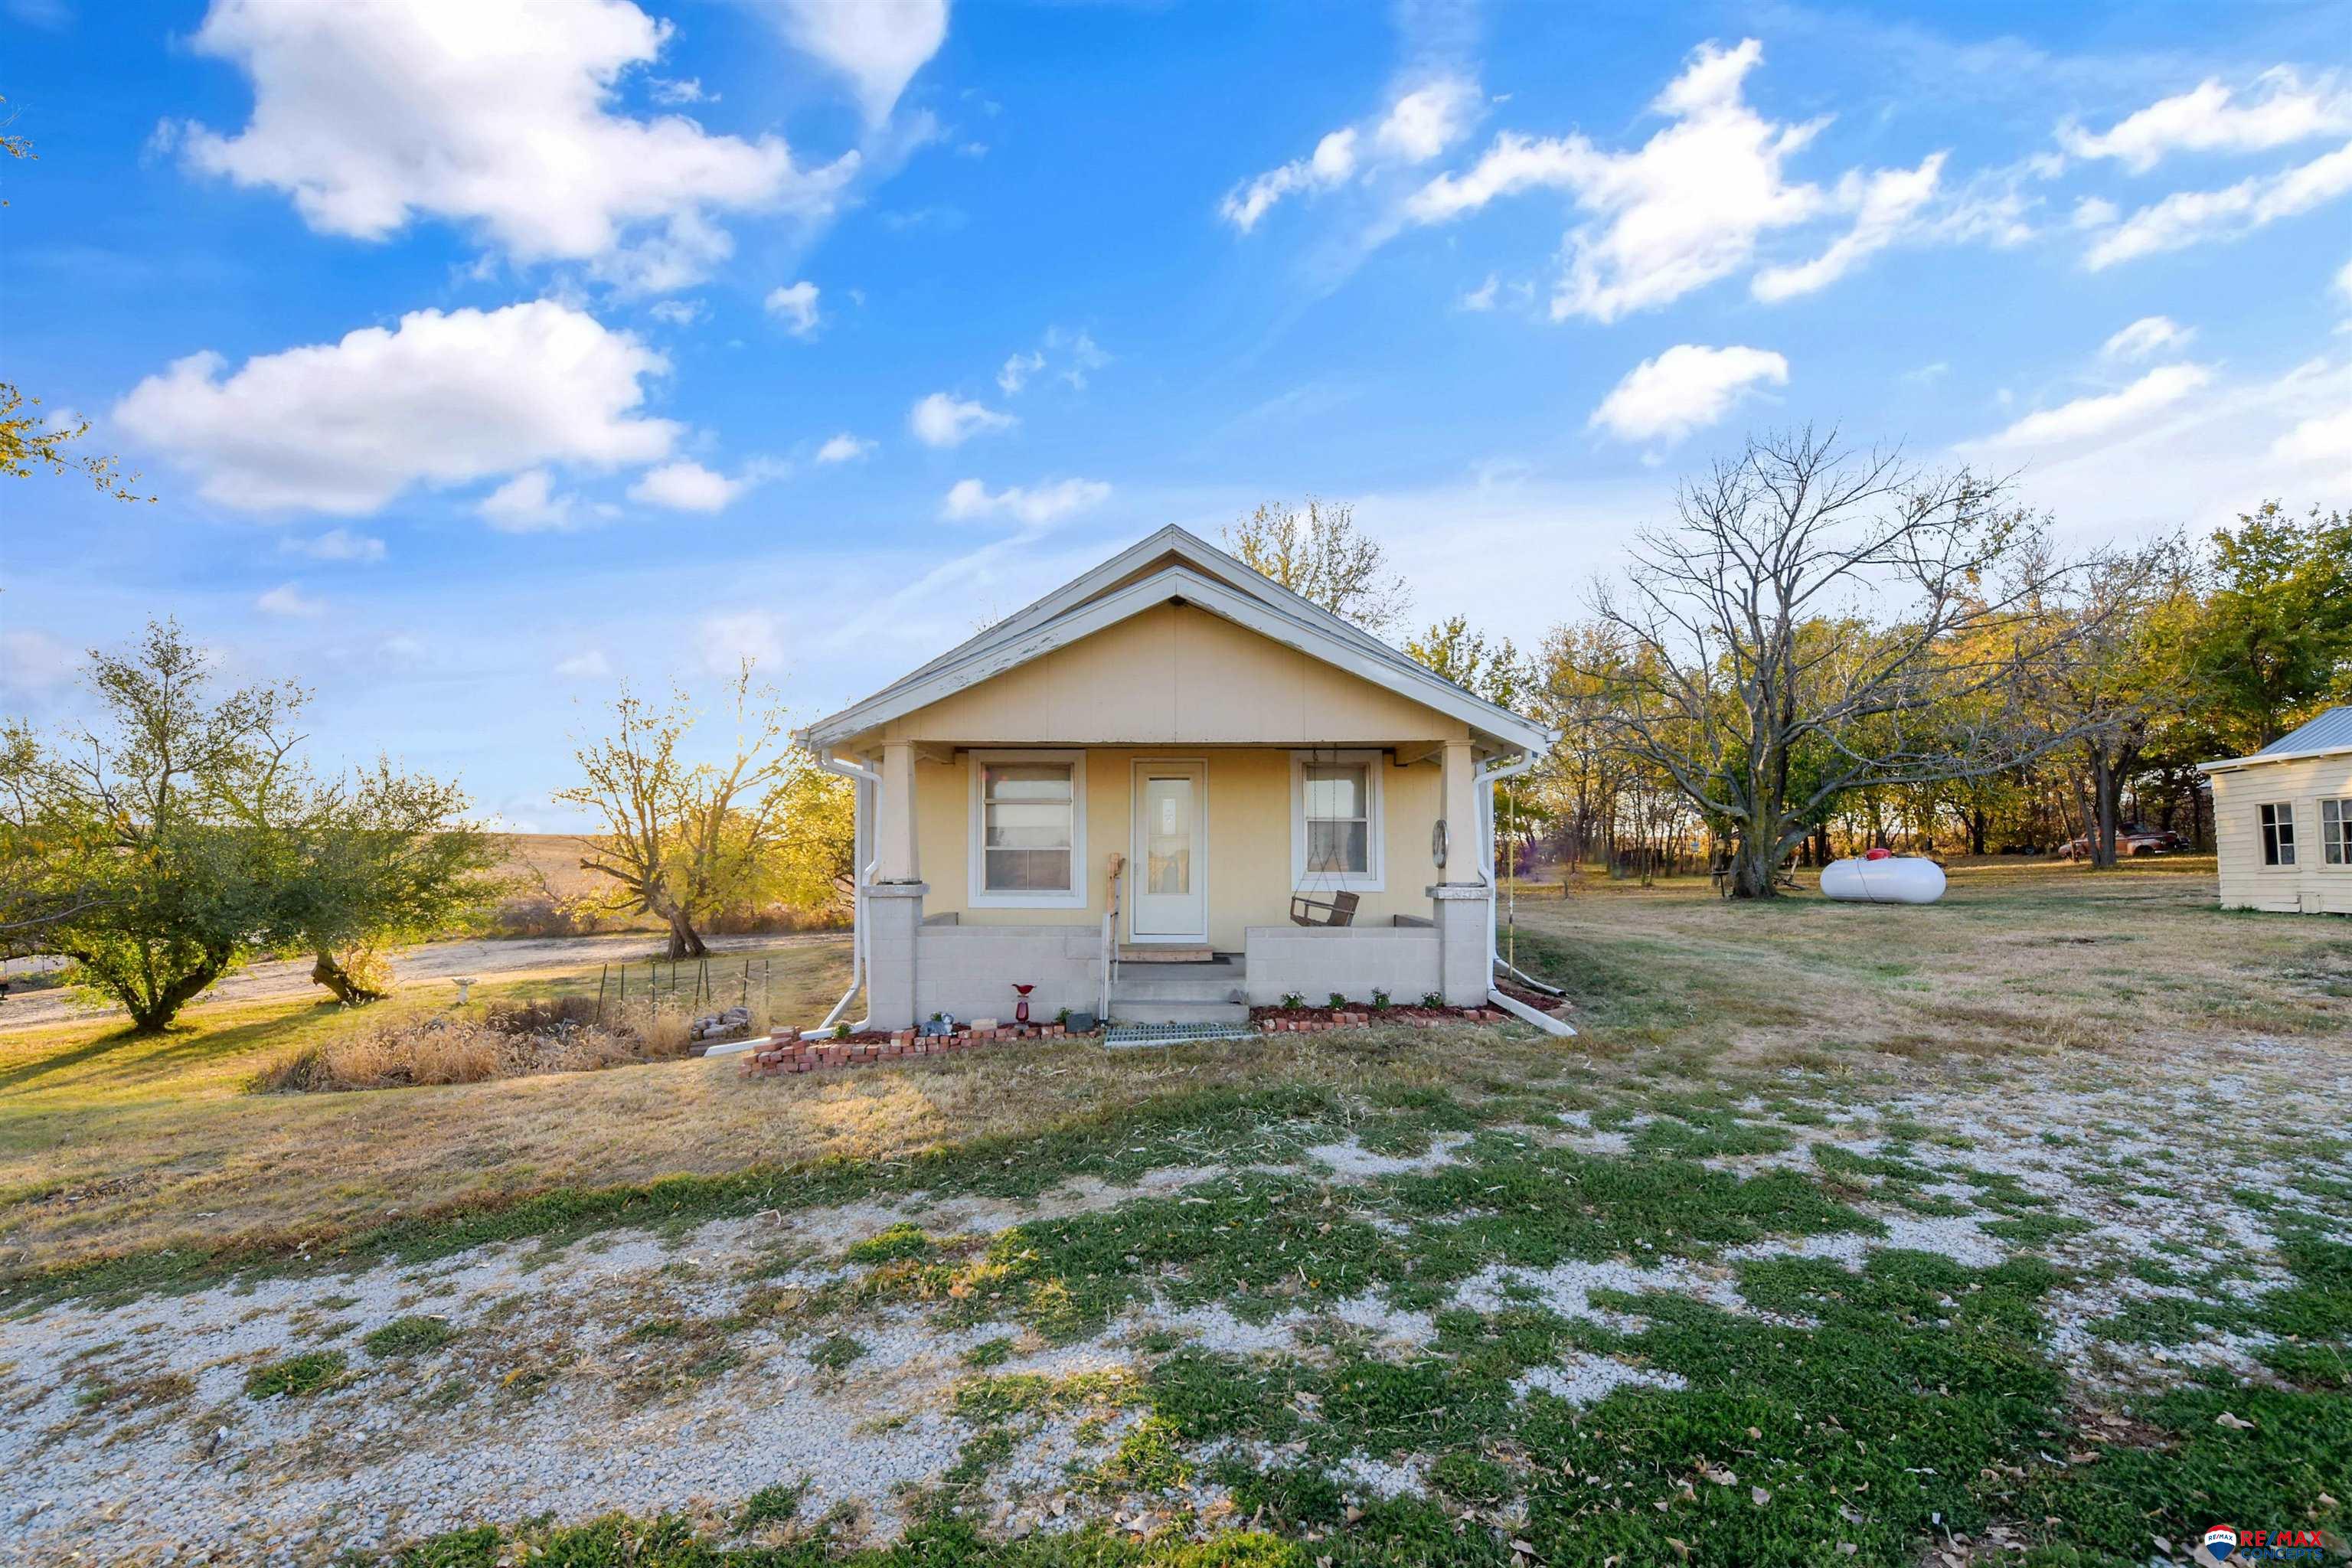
(1162, 953)
(1214, 980)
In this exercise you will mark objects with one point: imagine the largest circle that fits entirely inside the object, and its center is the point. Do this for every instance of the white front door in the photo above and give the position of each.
(1168, 898)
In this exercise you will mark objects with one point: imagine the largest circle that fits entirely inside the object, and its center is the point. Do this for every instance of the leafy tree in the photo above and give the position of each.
(172, 889)
(183, 834)
(1318, 554)
(680, 840)
(2273, 640)
(386, 857)
(816, 861)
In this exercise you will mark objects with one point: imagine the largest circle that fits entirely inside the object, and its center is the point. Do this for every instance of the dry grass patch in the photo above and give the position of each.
(503, 1040)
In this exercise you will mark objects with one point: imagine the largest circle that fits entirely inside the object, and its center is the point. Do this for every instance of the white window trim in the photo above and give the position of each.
(979, 895)
(2262, 862)
(1374, 879)
(2343, 840)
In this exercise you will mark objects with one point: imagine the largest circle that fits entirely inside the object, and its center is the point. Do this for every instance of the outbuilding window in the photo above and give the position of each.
(1335, 820)
(2335, 831)
(1028, 830)
(2278, 834)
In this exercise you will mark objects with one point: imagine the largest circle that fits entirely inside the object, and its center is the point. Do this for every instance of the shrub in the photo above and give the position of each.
(504, 1039)
(1294, 999)
(1380, 1001)
(1432, 999)
(1338, 1001)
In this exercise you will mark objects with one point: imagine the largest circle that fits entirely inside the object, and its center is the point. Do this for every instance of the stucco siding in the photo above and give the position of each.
(1249, 808)
(2310, 885)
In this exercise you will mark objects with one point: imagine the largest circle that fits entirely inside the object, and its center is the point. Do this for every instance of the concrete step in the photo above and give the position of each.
(1127, 1010)
(1219, 980)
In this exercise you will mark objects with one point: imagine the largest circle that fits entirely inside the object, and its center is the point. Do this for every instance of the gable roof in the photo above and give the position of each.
(1175, 565)
(2324, 736)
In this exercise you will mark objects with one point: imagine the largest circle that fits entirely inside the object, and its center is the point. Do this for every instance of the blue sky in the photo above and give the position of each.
(482, 357)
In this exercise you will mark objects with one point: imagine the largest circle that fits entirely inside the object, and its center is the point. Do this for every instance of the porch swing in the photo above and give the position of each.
(1339, 908)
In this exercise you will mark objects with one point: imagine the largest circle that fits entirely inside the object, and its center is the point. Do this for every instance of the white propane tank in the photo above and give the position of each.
(1890, 880)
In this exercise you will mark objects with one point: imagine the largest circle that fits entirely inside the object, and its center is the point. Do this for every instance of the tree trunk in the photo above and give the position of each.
(153, 1014)
(2103, 800)
(1978, 822)
(348, 988)
(1821, 842)
(683, 941)
(1752, 867)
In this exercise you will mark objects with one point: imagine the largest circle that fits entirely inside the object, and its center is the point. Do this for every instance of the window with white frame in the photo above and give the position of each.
(1335, 828)
(2335, 831)
(2278, 834)
(1028, 830)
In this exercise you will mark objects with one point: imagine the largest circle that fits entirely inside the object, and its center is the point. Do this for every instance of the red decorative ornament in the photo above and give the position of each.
(1021, 1009)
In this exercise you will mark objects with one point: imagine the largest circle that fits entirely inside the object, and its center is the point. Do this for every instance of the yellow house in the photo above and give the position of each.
(1165, 792)
(2283, 821)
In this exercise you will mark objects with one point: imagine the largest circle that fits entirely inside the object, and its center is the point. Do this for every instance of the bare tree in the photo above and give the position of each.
(680, 840)
(1318, 554)
(1806, 630)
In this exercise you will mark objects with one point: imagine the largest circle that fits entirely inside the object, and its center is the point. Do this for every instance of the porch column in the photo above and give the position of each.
(894, 920)
(894, 828)
(1460, 903)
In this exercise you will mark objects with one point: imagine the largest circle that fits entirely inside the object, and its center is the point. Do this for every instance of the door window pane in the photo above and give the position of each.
(1168, 835)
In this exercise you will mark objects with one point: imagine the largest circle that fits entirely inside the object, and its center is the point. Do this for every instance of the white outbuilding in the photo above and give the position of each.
(2283, 821)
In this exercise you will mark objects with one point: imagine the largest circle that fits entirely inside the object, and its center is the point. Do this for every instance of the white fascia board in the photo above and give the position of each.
(1267, 619)
(2233, 764)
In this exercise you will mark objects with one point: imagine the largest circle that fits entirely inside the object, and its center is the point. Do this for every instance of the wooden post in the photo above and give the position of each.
(602, 972)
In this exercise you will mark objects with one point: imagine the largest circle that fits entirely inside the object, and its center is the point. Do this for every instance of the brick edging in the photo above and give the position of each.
(787, 1052)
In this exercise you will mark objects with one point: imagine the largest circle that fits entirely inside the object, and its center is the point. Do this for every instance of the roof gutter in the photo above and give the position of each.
(866, 780)
(2231, 764)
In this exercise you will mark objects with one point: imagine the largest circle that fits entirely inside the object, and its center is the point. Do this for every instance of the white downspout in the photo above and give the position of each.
(1485, 777)
(866, 780)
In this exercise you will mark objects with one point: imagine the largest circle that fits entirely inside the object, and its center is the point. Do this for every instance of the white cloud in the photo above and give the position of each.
(844, 448)
(1075, 355)
(1482, 298)
(1417, 126)
(440, 399)
(942, 420)
(2344, 282)
(499, 117)
(2210, 118)
(34, 661)
(676, 312)
(526, 504)
(686, 486)
(1428, 119)
(2106, 415)
(2095, 212)
(878, 45)
(1047, 503)
(590, 664)
(2146, 338)
(2321, 444)
(335, 544)
(727, 641)
(1684, 209)
(1018, 370)
(285, 599)
(1684, 388)
(1883, 204)
(1333, 159)
(2191, 218)
(796, 305)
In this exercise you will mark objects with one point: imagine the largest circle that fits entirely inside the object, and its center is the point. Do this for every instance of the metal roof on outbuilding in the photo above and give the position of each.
(2330, 733)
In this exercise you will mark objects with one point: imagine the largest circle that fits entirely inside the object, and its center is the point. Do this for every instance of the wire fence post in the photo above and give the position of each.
(603, 973)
